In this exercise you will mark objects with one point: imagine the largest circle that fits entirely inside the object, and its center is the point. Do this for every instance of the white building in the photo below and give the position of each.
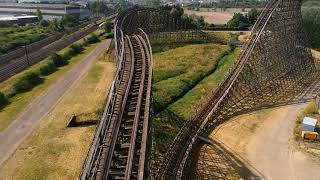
(308, 124)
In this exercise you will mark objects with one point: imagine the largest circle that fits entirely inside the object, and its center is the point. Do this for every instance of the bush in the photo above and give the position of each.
(44, 23)
(85, 42)
(27, 82)
(48, 68)
(75, 49)
(93, 39)
(3, 99)
(109, 35)
(108, 25)
(58, 60)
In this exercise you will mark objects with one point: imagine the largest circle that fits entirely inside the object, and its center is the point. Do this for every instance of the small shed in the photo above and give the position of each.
(308, 124)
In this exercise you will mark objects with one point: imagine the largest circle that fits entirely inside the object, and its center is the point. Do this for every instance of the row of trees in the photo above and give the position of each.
(35, 77)
(66, 21)
(239, 21)
(311, 23)
(232, 4)
(100, 8)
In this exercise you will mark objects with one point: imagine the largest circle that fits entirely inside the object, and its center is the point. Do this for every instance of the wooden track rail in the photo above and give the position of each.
(120, 152)
(274, 68)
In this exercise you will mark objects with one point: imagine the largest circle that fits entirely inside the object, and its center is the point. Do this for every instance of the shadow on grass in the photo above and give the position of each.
(215, 161)
(166, 126)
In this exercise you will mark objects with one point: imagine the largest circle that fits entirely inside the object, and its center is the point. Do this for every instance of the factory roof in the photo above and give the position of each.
(13, 18)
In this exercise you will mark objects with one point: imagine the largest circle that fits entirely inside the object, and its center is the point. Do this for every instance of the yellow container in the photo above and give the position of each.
(309, 135)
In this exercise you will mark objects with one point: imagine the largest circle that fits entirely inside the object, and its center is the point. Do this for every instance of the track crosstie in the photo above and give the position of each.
(123, 149)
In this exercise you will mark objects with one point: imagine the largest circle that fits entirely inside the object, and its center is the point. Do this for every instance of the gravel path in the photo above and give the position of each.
(23, 126)
(272, 153)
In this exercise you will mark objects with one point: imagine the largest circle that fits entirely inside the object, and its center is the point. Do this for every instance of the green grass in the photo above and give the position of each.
(14, 37)
(19, 102)
(168, 122)
(168, 45)
(177, 71)
(311, 22)
(223, 36)
(186, 106)
(310, 111)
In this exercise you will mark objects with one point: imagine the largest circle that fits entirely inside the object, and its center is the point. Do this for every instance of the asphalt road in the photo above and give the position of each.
(23, 126)
(273, 154)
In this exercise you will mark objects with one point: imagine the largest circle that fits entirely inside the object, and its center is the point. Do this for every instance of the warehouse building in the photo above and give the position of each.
(20, 20)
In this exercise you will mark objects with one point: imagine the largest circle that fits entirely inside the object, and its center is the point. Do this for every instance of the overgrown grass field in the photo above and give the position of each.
(177, 71)
(13, 37)
(183, 79)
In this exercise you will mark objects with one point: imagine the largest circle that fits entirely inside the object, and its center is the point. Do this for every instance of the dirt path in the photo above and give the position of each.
(23, 126)
(264, 140)
(271, 151)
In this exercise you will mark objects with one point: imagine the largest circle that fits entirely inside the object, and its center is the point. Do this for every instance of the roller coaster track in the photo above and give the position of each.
(173, 166)
(274, 68)
(190, 131)
(120, 152)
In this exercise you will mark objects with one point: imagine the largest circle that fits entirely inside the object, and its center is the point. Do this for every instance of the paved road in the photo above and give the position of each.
(272, 153)
(23, 126)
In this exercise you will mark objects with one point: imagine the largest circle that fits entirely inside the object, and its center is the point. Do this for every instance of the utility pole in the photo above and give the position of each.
(26, 51)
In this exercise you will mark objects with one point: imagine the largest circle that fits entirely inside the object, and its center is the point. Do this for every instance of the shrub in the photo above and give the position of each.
(93, 39)
(3, 99)
(48, 68)
(58, 60)
(108, 25)
(27, 82)
(85, 42)
(109, 35)
(44, 23)
(75, 49)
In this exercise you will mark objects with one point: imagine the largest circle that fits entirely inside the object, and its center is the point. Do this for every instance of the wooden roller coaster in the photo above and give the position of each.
(274, 68)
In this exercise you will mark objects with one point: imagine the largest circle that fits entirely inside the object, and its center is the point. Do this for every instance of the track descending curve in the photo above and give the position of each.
(121, 153)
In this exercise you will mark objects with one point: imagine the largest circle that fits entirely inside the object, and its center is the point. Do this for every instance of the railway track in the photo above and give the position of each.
(121, 152)
(21, 59)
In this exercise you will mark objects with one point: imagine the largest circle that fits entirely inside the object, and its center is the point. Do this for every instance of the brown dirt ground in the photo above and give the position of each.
(212, 17)
(254, 137)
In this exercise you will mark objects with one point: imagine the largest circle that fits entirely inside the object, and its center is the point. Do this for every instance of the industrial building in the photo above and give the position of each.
(20, 20)
(49, 11)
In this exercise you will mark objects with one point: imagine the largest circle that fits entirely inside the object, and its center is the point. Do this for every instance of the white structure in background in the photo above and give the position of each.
(48, 10)
(43, 1)
(308, 124)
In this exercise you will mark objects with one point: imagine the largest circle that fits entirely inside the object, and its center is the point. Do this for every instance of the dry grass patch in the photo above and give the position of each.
(20, 102)
(54, 151)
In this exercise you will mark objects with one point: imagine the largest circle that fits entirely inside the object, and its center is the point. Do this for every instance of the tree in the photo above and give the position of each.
(39, 14)
(253, 16)
(44, 23)
(108, 25)
(68, 20)
(311, 24)
(238, 21)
